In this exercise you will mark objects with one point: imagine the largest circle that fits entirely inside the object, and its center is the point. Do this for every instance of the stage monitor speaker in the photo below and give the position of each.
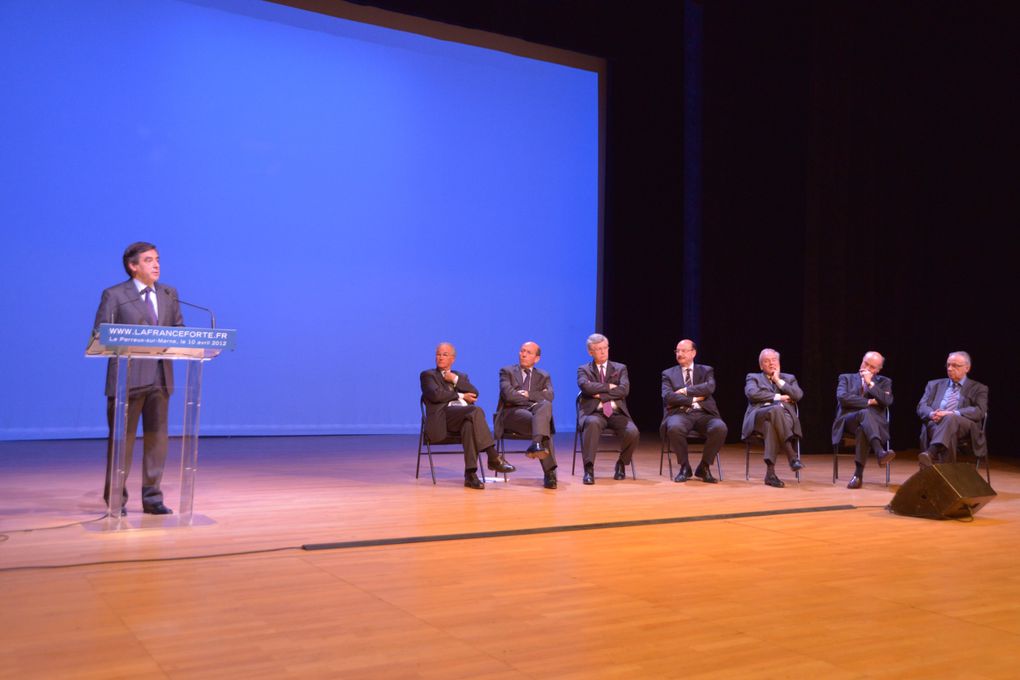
(948, 490)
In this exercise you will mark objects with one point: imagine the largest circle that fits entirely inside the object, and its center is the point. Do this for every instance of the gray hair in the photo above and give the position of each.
(961, 353)
(594, 339)
(766, 351)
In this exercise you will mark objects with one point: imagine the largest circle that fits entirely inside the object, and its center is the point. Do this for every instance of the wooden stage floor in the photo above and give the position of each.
(813, 592)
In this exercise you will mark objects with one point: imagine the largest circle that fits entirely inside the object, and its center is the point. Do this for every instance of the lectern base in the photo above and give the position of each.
(144, 521)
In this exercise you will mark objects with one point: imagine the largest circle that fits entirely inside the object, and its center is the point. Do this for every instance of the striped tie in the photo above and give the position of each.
(952, 397)
(150, 307)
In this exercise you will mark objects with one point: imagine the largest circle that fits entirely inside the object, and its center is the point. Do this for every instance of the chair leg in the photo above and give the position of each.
(573, 463)
(633, 470)
(432, 467)
(835, 463)
(718, 465)
(666, 452)
(417, 467)
(747, 461)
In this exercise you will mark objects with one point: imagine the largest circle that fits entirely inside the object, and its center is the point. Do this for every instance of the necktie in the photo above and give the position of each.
(527, 380)
(687, 378)
(607, 407)
(149, 306)
(952, 397)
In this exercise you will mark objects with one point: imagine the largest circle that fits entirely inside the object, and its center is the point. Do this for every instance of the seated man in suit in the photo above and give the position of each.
(525, 396)
(863, 398)
(771, 400)
(689, 405)
(951, 410)
(450, 408)
(604, 388)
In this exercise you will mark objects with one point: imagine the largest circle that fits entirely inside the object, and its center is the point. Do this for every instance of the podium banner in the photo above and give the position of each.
(182, 337)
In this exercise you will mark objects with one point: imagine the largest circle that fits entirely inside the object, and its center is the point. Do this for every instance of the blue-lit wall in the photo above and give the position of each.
(342, 194)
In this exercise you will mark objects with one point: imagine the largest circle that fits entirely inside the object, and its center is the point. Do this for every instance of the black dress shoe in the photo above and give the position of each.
(704, 473)
(886, 457)
(589, 476)
(855, 482)
(471, 481)
(620, 472)
(772, 480)
(499, 464)
(684, 474)
(924, 460)
(550, 480)
(795, 464)
(157, 509)
(537, 450)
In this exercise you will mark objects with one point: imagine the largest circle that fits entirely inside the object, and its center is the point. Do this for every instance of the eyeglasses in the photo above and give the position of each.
(951, 365)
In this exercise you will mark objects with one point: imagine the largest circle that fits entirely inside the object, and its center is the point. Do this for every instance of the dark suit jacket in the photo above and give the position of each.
(760, 392)
(589, 383)
(510, 381)
(703, 378)
(437, 393)
(973, 405)
(850, 400)
(123, 304)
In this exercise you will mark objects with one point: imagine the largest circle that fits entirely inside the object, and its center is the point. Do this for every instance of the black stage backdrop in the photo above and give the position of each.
(859, 188)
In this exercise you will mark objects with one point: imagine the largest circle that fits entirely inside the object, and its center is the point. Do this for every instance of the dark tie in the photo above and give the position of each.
(952, 397)
(527, 380)
(687, 378)
(150, 306)
(607, 407)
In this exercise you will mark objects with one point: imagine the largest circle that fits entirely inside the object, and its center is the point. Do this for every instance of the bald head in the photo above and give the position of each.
(686, 350)
(529, 354)
(872, 362)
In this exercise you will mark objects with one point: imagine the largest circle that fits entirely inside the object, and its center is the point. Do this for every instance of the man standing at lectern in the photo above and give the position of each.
(141, 300)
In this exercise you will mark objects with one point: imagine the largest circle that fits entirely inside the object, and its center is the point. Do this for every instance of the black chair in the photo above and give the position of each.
(967, 447)
(606, 434)
(666, 450)
(852, 441)
(517, 436)
(425, 443)
(759, 440)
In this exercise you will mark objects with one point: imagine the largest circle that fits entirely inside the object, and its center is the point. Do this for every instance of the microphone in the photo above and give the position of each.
(212, 317)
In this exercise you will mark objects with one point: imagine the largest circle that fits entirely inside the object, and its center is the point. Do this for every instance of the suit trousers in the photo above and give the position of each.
(592, 427)
(152, 404)
(475, 435)
(775, 423)
(713, 429)
(869, 423)
(947, 434)
(534, 422)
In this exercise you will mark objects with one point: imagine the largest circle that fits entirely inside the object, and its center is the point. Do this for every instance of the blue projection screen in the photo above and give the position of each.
(343, 194)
